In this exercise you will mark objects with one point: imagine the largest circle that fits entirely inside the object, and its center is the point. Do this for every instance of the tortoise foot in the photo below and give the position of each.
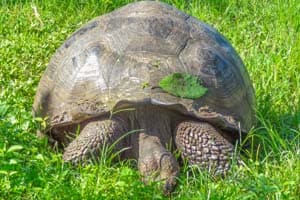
(91, 139)
(202, 144)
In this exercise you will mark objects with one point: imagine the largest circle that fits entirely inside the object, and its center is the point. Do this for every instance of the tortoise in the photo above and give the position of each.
(102, 84)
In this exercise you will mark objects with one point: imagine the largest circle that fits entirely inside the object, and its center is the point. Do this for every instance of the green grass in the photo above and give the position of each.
(266, 35)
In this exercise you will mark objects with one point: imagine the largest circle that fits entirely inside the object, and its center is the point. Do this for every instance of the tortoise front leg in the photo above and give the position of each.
(203, 145)
(155, 162)
(91, 139)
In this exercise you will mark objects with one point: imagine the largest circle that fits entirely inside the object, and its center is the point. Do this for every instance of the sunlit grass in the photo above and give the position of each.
(266, 35)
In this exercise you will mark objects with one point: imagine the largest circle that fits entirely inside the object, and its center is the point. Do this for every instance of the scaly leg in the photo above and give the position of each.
(155, 162)
(91, 139)
(203, 145)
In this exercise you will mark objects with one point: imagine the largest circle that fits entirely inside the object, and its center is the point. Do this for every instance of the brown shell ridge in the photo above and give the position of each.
(123, 55)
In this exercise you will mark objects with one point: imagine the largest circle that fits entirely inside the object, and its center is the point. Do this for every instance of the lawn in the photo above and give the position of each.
(265, 33)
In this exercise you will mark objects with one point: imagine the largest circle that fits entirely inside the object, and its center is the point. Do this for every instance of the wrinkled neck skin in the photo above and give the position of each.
(151, 120)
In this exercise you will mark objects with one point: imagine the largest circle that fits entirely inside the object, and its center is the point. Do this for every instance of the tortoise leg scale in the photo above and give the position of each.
(91, 139)
(200, 143)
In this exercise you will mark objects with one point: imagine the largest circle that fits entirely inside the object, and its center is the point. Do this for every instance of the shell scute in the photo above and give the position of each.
(122, 56)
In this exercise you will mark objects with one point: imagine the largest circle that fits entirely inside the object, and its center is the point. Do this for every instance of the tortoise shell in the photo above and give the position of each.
(118, 59)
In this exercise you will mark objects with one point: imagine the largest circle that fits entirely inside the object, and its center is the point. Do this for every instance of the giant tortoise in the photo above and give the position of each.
(102, 86)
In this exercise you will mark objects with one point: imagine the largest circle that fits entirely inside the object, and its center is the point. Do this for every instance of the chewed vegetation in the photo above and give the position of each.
(266, 34)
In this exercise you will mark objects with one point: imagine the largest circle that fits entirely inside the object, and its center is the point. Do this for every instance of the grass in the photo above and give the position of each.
(266, 35)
